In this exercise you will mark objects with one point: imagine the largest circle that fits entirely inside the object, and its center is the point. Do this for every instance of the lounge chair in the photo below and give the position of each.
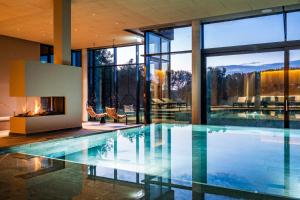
(251, 101)
(181, 102)
(93, 114)
(273, 101)
(112, 113)
(129, 110)
(279, 101)
(158, 102)
(292, 101)
(265, 101)
(297, 116)
(297, 100)
(241, 101)
(169, 102)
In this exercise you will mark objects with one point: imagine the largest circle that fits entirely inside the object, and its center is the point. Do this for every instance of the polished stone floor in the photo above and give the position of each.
(27, 177)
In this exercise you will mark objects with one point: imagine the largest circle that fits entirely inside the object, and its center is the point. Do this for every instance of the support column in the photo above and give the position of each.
(196, 72)
(62, 31)
(84, 58)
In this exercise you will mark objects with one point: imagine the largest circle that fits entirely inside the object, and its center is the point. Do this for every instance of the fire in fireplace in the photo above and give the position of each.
(42, 106)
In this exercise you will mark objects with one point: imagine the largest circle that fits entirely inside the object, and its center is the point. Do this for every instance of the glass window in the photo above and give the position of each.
(115, 84)
(294, 89)
(154, 43)
(104, 57)
(246, 89)
(181, 80)
(126, 55)
(181, 62)
(46, 53)
(244, 31)
(293, 24)
(141, 53)
(76, 58)
(165, 45)
(170, 75)
(127, 90)
(44, 59)
(180, 39)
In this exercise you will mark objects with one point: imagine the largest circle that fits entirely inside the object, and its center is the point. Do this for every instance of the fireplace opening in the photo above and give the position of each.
(41, 106)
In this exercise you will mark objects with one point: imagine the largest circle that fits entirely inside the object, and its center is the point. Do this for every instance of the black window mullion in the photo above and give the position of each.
(203, 103)
(286, 88)
(147, 82)
(137, 112)
(286, 74)
(116, 86)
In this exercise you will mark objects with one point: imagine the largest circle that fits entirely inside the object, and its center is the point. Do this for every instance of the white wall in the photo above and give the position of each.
(35, 79)
(12, 49)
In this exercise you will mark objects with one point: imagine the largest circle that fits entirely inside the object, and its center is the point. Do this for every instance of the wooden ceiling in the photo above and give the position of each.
(99, 22)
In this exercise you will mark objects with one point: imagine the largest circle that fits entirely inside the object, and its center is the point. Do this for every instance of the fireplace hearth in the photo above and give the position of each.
(42, 106)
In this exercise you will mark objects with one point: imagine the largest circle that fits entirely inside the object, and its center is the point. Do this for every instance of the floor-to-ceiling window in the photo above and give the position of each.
(246, 89)
(169, 72)
(293, 33)
(116, 80)
(294, 88)
(251, 70)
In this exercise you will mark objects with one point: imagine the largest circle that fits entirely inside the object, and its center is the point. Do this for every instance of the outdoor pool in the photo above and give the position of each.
(257, 160)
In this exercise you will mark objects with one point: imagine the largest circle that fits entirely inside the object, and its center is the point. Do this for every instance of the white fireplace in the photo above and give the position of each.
(48, 96)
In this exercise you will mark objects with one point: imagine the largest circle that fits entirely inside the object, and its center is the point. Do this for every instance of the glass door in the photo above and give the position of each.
(246, 89)
(294, 89)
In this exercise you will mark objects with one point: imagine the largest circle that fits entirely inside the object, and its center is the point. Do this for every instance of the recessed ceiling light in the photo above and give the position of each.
(267, 11)
(117, 22)
(93, 14)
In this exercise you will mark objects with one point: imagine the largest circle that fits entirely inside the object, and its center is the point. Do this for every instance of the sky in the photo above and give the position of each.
(246, 59)
(230, 33)
(250, 31)
(182, 41)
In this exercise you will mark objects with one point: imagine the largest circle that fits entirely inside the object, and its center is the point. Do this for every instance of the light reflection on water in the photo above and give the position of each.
(253, 159)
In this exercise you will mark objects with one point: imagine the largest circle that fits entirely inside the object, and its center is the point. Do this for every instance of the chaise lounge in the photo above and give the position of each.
(94, 115)
(112, 113)
(241, 101)
(157, 102)
(171, 102)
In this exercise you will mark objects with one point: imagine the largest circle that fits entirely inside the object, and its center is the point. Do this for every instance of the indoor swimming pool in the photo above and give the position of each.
(262, 161)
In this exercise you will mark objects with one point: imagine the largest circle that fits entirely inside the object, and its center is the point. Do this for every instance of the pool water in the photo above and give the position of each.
(259, 160)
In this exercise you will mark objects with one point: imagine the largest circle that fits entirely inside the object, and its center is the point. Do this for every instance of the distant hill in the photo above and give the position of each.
(231, 69)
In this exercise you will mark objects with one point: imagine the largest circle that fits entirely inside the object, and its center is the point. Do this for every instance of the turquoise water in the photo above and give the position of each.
(259, 160)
